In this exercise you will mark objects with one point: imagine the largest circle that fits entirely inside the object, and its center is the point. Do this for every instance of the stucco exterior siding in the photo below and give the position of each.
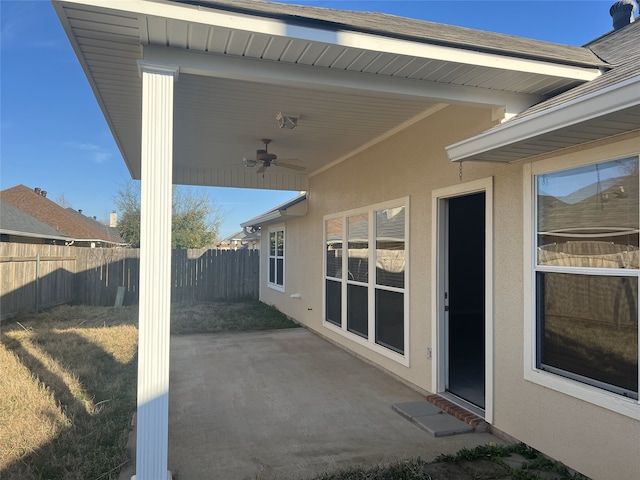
(414, 164)
(596, 441)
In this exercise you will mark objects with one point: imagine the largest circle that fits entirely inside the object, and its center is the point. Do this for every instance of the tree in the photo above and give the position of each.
(127, 201)
(195, 223)
(62, 201)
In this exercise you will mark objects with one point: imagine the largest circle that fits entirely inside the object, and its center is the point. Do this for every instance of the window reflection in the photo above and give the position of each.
(333, 229)
(588, 216)
(359, 247)
(390, 252)
(588, 328)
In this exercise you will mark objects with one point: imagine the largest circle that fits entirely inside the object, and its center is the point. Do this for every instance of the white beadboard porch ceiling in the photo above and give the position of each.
(238, 71)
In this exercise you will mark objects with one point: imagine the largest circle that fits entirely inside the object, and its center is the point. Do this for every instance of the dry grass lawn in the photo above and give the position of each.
(68, 384)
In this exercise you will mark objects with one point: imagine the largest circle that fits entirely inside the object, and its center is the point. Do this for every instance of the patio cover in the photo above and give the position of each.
(189, 88)
(351, 78)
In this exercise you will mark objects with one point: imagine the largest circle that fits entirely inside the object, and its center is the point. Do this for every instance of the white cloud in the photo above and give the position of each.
(95, 153)
(82, 146)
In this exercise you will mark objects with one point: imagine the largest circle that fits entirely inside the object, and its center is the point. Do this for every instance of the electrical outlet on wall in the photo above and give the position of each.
(428, 353)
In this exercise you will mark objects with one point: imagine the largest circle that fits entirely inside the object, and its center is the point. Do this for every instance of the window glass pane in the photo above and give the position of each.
(280, 243)
(334, 247)
(588, 216)
(334, 302)
(272, 243)
(357, 310)
(390, 320)
(359, 247)
(280, 271)
(588, 329)
(272, 270)
(390, 258)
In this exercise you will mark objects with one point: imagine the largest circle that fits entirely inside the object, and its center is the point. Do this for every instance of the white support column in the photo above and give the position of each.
(155, 271)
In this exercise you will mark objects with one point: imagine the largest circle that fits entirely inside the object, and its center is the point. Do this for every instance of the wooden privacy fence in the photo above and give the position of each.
(33, 277)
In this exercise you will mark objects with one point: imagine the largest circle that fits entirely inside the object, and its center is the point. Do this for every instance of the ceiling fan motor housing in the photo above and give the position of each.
(264, 156)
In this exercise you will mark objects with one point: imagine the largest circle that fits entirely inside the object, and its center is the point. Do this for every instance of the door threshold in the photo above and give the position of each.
(461, 402)
(461, 409)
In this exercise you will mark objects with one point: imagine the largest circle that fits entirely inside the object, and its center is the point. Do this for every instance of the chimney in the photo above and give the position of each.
(43, 193)
(622, 13)
(37, 190)
(113, 220)
(79, 210)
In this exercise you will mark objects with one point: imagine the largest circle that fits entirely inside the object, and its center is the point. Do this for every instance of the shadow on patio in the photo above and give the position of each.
(286, 404)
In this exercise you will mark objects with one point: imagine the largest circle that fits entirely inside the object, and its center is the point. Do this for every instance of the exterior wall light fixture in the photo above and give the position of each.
(287, 121)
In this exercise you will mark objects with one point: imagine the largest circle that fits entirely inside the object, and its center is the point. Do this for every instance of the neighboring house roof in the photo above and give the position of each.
(296, 207)
(243, 237)
(235, 237)
(111, 231)
(605, 106)
(14, 221)
(57, 217)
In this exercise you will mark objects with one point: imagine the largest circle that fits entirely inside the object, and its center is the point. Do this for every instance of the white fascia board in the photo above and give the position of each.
(265, 218)
(602, 102)
(59, 8)
(56, 237)
(345, 38)
(303, 76)
(98, 240)
(281, 212)
(18, 233)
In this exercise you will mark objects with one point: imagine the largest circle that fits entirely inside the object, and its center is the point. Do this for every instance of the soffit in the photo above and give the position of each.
(218, 121)
(618, 123)
(604, 107)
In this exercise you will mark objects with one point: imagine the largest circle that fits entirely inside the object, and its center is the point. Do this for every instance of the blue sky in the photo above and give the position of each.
(53, 134)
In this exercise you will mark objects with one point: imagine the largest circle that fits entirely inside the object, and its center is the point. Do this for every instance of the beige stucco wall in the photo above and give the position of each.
(412, 163)
(595, 441)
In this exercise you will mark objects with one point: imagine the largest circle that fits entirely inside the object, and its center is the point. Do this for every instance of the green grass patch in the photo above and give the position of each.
(534, 468)
(215, 317)
(410, 469)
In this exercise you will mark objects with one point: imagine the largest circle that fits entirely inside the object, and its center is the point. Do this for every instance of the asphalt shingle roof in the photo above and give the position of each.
(16, 221)
(113, 232)
(410, 29)
(621, 48)
(52, 214)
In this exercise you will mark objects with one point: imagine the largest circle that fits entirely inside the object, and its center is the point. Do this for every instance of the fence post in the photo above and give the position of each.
(38, 283)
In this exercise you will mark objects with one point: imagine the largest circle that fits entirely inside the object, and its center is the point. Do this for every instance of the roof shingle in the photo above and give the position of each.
(16, 221)
(54, 215)
(410, 29)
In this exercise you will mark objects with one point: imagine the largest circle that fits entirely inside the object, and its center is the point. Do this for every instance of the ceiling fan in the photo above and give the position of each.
(267, 159)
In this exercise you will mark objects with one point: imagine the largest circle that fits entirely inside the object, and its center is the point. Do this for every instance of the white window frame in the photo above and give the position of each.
(275, 285)
(370, 342)
(612, 401)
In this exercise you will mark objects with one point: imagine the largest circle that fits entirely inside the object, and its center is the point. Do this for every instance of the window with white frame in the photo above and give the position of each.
(586, 269)
(276, 259)
(365, 275)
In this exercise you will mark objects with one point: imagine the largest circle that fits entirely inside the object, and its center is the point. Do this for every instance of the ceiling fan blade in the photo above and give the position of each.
(291, 166)
(249, 162)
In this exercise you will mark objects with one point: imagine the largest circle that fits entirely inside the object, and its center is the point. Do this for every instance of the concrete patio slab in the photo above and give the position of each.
(286, 404)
